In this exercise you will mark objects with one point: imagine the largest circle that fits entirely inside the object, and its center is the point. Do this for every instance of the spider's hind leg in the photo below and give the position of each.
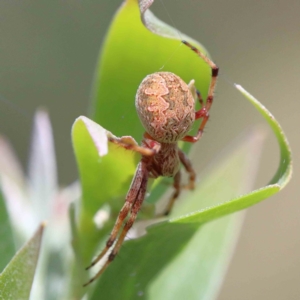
(133, 202)
(177, 182)
(177, 187)
(189, 168)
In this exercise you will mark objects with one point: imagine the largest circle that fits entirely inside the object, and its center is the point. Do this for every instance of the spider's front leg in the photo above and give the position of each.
(129, 143)
(204, 111)
(131, 207)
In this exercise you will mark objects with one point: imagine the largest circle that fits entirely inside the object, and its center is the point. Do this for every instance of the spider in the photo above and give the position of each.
(166, 107)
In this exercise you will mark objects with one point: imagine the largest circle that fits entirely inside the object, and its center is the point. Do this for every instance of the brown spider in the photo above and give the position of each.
(166, 107)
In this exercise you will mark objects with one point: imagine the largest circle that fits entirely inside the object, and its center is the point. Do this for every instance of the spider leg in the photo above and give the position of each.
(188, 167)
(134, 208)
(138, 184)
(177, 179)
(177, 187)
(133, 214)
(195, 92)
(199, 96)
(129, 143)
(204, 111)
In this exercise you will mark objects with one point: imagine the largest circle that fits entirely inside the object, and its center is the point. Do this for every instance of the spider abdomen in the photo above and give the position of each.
(165, 106)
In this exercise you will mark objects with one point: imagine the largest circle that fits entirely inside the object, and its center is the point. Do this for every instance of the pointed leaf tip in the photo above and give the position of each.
(97, 133)
(16, 279)
(42, 166)
(285, 168)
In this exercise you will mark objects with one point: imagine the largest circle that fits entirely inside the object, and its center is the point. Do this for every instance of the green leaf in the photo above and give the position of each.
(285, 169)
(129, 54)
(90, 145)
(17, 277)
(7, 245)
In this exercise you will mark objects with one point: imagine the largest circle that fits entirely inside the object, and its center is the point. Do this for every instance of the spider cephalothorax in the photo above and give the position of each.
(166, 108)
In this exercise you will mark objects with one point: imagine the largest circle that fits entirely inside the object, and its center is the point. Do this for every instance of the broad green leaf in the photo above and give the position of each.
(130, 52)
(90, 145)
(7, 245)
(17, 277)
(86, 135)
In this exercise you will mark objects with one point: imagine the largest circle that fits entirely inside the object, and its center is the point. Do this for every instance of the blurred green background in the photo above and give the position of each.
(48, 53)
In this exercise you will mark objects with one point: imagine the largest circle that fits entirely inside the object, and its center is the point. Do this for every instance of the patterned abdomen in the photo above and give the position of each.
(165, 107)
